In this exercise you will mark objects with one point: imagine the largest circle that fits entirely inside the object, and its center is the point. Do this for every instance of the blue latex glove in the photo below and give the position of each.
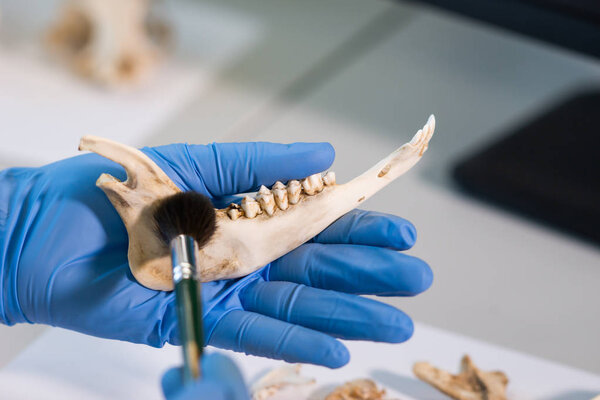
(221, 380)
(63, 253)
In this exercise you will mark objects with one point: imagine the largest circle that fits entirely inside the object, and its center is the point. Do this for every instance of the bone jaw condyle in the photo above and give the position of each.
(251, 234)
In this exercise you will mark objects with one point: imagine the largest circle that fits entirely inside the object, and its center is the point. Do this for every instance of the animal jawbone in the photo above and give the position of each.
(249, 235)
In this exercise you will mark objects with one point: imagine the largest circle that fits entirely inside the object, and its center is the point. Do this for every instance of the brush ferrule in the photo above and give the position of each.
(183, 256)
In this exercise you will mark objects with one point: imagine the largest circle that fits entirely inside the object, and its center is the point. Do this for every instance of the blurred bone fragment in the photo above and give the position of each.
(358, 389)
(279, 379)
(471, 383)
(112, 42)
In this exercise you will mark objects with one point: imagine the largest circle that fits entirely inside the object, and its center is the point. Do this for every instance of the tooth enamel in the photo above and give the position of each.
(234, 211)
(312, 184)
(329, 178)
(266, 200)
(431, 124)
(294, 189)
(281, 196)
(417, 137)
(251, 207)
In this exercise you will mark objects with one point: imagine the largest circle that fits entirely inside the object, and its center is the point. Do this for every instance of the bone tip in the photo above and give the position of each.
(417, 137)
(84, 142)
(431, 120)
(105, 179)
(430, 124)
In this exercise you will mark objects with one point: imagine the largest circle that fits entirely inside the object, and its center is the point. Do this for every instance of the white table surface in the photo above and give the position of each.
(364, 75)
(66, 365)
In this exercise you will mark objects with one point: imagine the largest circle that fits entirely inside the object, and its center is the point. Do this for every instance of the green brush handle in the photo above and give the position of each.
(189, 315)
(189, 305)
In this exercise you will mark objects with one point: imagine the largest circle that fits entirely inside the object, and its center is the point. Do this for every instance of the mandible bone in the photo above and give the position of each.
(241, 244)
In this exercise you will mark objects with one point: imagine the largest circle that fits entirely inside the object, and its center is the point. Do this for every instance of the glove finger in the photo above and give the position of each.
(353, 269)
(171, 382)
(221, 169)
(370, 228)
(338, 314)
(259, 335)
(221, 379)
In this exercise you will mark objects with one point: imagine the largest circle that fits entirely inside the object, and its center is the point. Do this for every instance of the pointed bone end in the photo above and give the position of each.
(431, 122)
(121, 196)
(87, 143)
(421, 139)
(405, 157)
(106, 180)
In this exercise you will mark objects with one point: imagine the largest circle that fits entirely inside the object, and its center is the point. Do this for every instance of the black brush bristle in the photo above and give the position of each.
(185, 213)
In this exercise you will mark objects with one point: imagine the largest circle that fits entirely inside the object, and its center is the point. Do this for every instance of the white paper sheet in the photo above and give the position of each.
(67, 365)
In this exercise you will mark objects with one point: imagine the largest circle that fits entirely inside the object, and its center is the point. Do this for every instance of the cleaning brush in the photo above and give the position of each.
(186, 221)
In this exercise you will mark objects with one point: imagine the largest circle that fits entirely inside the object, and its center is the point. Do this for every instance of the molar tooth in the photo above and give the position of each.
(294, 189)
(266, 200)
(312, 184)
(234, 211)
(281, 196)
(251, 207)
(329, 178)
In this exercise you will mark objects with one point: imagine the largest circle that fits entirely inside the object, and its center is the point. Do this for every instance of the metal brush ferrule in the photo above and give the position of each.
(183, 256)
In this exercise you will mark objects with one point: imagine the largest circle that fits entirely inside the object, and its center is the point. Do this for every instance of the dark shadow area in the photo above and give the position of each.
(546, 169)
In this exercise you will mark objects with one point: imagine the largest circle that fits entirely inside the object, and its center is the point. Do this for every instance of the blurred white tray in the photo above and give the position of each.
(67, 365)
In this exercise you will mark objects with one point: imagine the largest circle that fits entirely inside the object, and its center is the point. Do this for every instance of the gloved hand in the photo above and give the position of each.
(63, 254)
(221, 380)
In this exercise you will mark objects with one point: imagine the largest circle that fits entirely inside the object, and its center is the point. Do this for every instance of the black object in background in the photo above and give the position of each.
(573, 24)
(548, 169)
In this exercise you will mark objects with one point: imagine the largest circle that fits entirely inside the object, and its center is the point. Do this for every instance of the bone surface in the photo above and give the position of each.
(470, 384)
(110, 41)
(241, 245)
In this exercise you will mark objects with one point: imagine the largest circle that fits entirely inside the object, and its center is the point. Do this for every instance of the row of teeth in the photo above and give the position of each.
(280, 196)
